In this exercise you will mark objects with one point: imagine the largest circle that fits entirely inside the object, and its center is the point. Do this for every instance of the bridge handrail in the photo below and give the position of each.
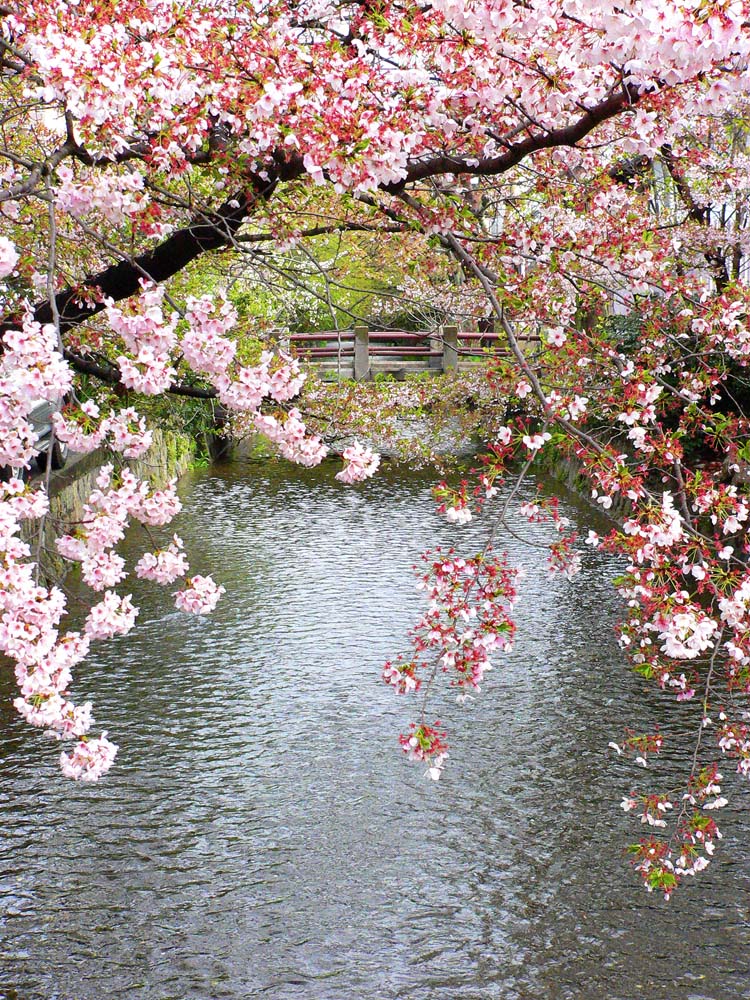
(360, 345)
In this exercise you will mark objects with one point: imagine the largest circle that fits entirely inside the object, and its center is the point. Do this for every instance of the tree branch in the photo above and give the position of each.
(212, 232)
(715, 259)
(120, 281)
(111, 375)
(567, 135)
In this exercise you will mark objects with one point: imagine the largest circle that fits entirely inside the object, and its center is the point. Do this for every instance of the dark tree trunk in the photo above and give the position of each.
(120, 281)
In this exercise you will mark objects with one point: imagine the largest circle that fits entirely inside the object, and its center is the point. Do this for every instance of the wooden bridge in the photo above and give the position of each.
(361, 354)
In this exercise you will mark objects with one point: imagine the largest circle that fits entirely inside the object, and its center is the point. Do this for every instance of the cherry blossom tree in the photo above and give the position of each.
(583, 164)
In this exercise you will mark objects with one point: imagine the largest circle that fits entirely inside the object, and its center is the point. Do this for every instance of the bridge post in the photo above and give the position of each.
(361, 352)
(436, 344)
(450, 348)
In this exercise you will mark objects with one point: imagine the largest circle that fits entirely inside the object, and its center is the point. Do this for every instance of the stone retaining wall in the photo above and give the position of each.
(170, 455)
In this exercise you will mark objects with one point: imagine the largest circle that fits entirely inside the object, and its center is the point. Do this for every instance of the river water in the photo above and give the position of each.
(261, 834)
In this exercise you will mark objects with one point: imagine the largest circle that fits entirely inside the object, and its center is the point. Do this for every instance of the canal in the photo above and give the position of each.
(261, 834)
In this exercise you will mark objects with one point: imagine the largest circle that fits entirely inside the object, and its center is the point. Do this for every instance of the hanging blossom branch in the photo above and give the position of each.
(31, 615)
(686, 584)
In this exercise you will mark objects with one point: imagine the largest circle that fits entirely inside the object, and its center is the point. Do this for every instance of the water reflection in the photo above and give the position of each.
(261, 835)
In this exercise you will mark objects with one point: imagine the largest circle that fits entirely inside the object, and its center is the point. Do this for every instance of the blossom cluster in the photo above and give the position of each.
(115, 196)
(426, 744)
(31, 368)
(661, 864)
(467, 620)
(361, 463)
(153, 339)
(124, 431)
(30, 615)
(200, 595)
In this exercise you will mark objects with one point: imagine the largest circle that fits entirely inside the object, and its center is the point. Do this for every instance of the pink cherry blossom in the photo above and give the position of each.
(361, 462)
(89, 760)
(113, 615)
(8, 257)
(200, 595)
(164, 566)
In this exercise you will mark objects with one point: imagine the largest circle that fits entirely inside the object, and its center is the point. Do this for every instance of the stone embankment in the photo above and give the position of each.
(169, 456)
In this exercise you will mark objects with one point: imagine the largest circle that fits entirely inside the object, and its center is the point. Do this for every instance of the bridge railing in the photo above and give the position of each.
(361, 353)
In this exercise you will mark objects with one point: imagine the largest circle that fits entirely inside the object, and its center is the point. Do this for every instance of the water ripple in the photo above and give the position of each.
(261, 836)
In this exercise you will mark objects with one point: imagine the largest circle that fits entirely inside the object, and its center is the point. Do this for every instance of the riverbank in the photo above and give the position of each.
(170, 456)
